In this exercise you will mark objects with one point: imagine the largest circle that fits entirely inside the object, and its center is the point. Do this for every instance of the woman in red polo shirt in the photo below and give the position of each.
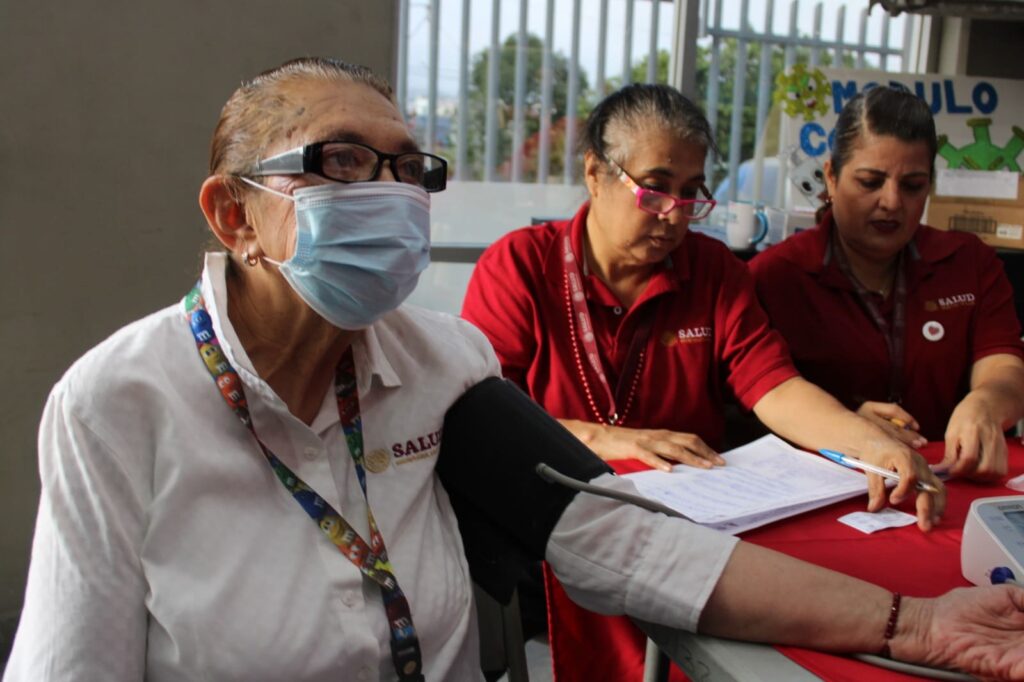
(630, 330)
(911, 326)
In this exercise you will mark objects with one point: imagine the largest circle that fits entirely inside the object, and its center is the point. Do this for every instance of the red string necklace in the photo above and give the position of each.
(576, 310)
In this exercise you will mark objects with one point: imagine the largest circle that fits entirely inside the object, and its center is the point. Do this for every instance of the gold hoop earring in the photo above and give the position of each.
(251, 260)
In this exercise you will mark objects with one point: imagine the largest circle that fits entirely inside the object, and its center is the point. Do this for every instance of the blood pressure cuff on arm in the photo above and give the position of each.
(494, 436)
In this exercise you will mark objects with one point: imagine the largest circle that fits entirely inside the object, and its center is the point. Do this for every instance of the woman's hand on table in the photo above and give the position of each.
(980, 630)
(975, 444)
(657, 448)
(895, 421)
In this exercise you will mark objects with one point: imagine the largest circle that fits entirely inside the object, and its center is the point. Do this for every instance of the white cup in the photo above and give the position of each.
(745, 225)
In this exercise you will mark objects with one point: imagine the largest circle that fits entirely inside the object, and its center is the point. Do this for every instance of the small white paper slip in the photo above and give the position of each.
(869, 522)
(1016, 483)
(972, 184)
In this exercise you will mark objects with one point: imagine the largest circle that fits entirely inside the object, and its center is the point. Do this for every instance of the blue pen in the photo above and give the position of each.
(853, 463)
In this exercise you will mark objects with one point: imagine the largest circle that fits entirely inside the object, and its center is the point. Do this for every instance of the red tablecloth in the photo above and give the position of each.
(900, 559)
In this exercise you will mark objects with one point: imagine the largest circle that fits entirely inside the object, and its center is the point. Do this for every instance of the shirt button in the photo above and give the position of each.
(617, 310)
(363, 674)
(349, 599)
(311, 453)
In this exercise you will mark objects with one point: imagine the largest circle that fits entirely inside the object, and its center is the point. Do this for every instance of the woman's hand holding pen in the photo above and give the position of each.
(801, 412)
(895, 421)
(888, 453)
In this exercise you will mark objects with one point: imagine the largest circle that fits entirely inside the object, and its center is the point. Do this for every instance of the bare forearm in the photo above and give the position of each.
(802, 413)
(765, 596)
(1004, 397)
(586, 432)
(997, 388)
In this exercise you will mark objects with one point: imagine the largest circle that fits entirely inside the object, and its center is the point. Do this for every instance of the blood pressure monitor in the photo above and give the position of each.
(993, 538)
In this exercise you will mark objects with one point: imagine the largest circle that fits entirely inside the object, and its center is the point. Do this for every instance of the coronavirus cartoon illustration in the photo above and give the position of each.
(802, 92)
(982, 153)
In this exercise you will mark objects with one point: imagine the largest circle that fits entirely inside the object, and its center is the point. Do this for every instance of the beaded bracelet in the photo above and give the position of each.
(890, 627)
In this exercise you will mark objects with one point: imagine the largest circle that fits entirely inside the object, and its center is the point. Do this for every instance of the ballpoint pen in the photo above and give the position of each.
(854, 463)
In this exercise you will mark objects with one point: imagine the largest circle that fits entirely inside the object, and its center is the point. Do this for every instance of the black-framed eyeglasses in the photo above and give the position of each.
(355, 162)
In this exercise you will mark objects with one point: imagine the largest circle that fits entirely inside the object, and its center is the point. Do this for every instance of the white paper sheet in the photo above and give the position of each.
(761, 482)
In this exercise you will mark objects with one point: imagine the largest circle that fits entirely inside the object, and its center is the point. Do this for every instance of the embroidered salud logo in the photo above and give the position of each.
(950, 302)
(687, 335)
(420, 447)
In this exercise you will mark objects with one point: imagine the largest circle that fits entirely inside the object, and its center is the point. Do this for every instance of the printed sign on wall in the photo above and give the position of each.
(979, 121)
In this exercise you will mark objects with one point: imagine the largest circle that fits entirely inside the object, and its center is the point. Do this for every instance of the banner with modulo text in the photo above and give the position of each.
(980, 121)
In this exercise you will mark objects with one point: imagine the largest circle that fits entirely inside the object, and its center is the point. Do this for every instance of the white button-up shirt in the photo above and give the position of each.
(166, 549)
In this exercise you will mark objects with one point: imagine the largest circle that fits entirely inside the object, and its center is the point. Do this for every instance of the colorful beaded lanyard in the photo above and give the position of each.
(371, 560)
(581, 327)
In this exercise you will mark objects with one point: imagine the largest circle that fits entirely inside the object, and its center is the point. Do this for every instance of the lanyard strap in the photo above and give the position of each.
(371, 559)
(581, 328)
(895, 334)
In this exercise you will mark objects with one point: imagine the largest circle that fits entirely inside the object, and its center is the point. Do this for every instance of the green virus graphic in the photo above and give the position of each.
(982, 154)
(802, 92)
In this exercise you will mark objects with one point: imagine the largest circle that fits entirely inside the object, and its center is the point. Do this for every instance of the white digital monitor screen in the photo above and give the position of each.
(1017, 519)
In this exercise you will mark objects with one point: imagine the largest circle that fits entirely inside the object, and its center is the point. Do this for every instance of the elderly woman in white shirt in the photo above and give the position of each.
(228, 491)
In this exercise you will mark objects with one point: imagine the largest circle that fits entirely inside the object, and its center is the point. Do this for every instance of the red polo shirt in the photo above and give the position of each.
(959, 309)
(708, 331)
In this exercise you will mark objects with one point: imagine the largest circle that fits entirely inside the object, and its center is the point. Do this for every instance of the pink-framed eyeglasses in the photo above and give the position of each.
(659, 203)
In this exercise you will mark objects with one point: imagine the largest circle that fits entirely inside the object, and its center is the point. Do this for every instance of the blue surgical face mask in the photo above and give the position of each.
(360, 248)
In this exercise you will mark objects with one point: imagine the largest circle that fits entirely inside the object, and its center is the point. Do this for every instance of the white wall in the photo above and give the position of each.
(106, 111)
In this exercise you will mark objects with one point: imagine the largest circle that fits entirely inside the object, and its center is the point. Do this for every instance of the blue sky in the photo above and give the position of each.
(480, 31)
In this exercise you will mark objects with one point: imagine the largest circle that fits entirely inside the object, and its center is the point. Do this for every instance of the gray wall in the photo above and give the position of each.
(993, 48)
(106, 111)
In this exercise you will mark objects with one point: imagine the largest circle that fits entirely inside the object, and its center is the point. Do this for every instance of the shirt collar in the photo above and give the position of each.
(924, 251)
(370, 353)
(370, 357)
(669, 278)
(215, 294)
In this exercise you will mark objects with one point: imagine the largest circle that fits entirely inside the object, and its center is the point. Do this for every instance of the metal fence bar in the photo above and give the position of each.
(885, 42)
(789, 58)
(764, 89)
(862, 39)
(402, 73)
(739, 90)
(546, 85)
(816, 48)
(602, 39)
(714, 74)
(627, 47)
(491, 115)
(702, 31)
(519, 110)
(573, 95)
(908, 41)
(652, 51)
(840, 36)
(432, 60)
(462, 144)
(682, 66)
